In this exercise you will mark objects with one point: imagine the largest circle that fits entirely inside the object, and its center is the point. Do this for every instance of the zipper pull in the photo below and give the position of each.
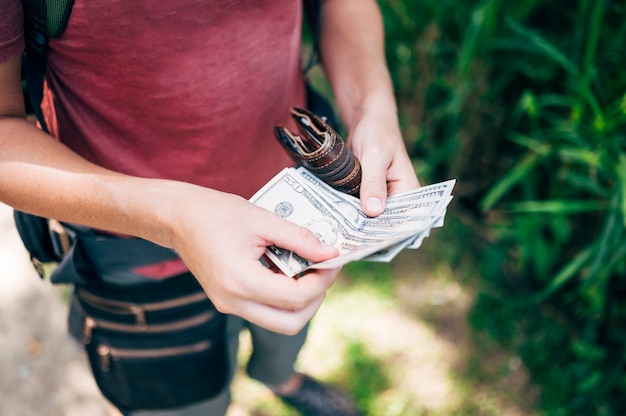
(104, 353)
(88, 328)
(140, 316)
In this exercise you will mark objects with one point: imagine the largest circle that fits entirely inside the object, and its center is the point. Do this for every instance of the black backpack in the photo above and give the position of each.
(43, 19)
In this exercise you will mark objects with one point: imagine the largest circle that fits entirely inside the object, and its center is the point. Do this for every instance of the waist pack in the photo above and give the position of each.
(151, 344)
(156, 346)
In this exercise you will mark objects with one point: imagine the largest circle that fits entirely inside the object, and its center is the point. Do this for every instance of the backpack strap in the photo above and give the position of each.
(43, 19)
(313, 12)
(57, 15)
(316, 102)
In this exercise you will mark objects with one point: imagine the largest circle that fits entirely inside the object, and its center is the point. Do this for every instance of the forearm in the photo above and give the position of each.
(353, 56)
(48, 179)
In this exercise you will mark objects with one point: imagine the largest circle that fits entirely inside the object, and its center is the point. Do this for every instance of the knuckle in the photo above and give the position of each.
(305, 234)
(221, 305)
(298, 302)
(293, 326)
(291, 331)
(231, 287)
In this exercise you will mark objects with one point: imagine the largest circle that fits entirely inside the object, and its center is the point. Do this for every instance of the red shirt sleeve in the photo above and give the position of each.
(11, 29)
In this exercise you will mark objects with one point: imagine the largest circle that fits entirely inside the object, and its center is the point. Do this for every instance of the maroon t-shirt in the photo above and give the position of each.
(186, 90)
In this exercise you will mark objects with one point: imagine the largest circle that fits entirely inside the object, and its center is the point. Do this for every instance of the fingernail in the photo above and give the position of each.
(374, 204)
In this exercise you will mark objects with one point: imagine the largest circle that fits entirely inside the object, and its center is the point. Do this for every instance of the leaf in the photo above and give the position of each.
(588, 157)
(535, 42)
(585, 349)
(535, 145)
(556, 206)
(566, 273)
(590, 382)
(621, 178)
(605, 245)
(515, 175)
(481, 22)
(584, 182)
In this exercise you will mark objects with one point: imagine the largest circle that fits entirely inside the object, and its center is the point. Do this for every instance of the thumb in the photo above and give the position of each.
(373, 192)
(298, 239)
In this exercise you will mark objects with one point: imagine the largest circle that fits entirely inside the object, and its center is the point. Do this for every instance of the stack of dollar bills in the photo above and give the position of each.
(337, 219)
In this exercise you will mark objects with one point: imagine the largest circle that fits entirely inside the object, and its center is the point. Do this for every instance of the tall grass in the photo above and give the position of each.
(525, 104)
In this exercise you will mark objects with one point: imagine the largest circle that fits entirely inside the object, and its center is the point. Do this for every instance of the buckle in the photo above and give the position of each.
(38, 265)
(60, 239)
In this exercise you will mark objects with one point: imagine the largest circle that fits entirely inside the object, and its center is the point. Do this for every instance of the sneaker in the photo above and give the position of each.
(313, 398)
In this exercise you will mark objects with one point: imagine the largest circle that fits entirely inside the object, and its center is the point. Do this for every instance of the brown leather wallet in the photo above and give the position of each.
(322, 151)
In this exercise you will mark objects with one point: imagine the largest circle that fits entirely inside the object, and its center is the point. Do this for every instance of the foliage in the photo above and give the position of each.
(525, 104)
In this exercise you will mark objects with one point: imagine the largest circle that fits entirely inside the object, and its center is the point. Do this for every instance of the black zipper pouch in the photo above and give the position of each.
(152, 348)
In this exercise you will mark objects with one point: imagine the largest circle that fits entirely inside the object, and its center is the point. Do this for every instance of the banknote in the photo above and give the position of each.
(338, 220)
(435, 197)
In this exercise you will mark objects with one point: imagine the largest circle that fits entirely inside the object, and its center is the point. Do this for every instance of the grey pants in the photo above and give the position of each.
(271, 362)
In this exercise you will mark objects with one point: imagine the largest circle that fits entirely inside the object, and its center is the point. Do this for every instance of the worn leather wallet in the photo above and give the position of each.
(322, 151)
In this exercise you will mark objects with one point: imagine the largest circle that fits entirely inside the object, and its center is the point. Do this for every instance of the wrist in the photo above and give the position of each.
(147, 208)
(377, 102)
(378, 107)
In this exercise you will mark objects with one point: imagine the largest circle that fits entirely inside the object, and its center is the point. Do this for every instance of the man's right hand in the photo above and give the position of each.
(219, 236)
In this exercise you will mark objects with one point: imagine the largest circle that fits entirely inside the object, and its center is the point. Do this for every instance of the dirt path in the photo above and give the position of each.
(43, 373)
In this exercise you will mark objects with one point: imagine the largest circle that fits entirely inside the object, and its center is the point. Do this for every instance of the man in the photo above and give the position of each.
(162, 113)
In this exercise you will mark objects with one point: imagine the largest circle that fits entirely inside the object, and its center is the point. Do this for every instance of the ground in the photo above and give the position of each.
(406, 352)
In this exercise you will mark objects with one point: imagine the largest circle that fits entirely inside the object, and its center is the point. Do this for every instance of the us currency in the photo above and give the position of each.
(337, 219)
(436, 197)
(428, 201)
